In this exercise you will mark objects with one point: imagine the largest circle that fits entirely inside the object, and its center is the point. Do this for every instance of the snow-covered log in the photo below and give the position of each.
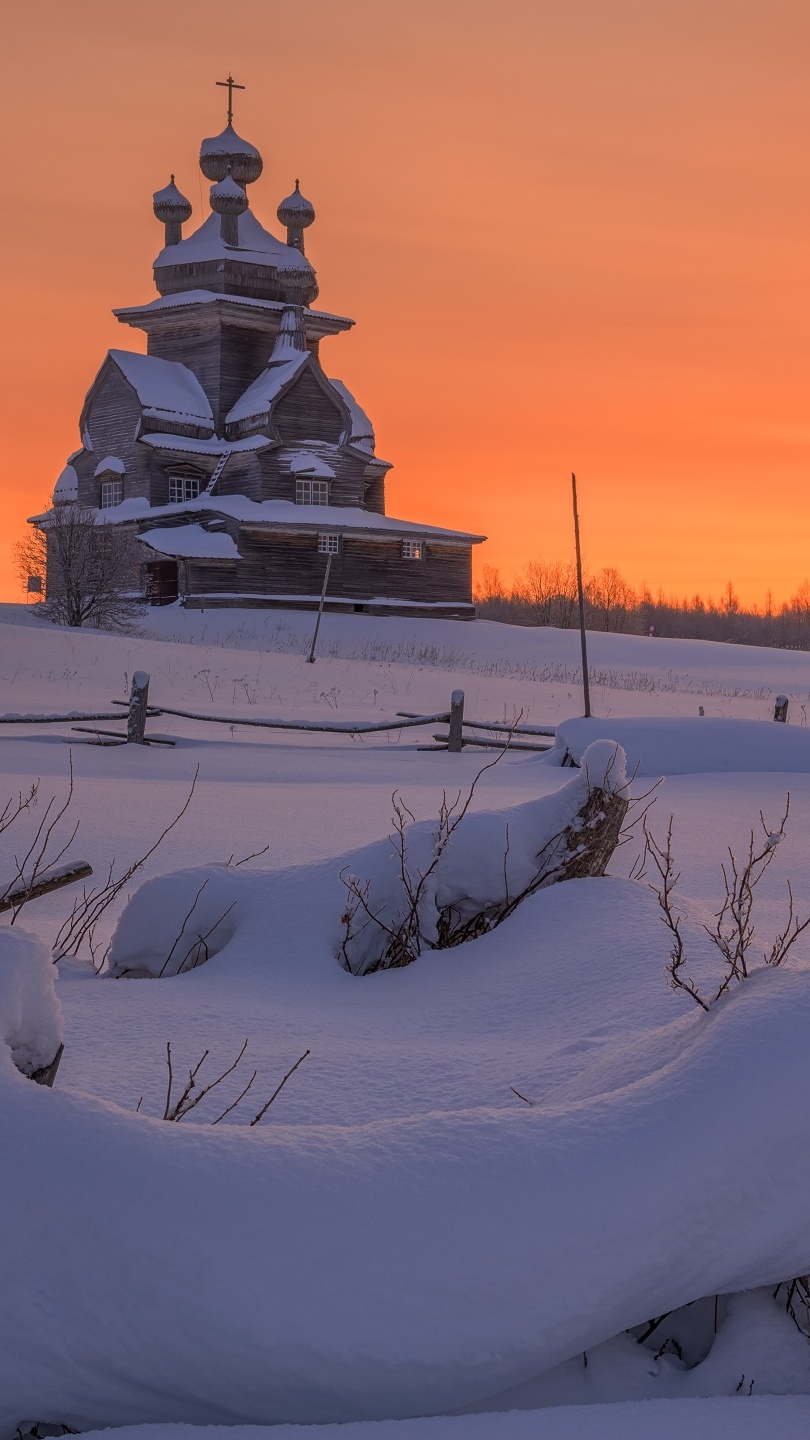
(441, 884)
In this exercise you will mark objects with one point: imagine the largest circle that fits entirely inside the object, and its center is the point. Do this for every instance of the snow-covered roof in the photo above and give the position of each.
(306, 462)
(190, 542)
(256, 245)
(214, 446)
(111, 465)
(213, 297)
(166, 389)
(66, 487)
(228, 143)
(259, 396)
(361, 430)
(284, 514)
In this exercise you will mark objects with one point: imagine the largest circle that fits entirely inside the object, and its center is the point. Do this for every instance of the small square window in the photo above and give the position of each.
(413, 550)
(183, 487)
(328, 544)
(311, 492)
(112, 493)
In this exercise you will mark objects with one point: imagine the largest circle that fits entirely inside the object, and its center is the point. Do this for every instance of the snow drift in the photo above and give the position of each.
(401, 1267)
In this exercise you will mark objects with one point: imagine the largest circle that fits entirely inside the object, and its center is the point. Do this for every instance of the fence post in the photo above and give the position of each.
(780, 709)
(455, 738)
(138, 702)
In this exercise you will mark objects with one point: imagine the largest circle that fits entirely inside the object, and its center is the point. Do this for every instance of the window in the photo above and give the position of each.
(112, 493)
(413, 550)
(312, 492)
(328, 544)
(183, 487)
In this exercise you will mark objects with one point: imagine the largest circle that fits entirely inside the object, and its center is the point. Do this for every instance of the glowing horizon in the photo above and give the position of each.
(569, 240)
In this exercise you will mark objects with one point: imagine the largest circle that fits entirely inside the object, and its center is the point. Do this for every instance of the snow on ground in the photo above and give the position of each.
(425, 1240)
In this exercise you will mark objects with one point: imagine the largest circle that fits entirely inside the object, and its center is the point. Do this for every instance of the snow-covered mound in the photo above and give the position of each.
(690, 745)
(324, 1273)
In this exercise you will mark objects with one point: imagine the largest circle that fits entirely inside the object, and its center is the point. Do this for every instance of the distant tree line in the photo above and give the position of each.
(545, 593)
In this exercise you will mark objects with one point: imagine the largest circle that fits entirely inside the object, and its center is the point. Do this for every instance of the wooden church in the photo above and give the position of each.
(243, 469)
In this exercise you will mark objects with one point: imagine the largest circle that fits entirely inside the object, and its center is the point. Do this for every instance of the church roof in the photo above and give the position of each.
(361, 430)
(256, 246)
(190, 542)
(259, 397)
(166, 389)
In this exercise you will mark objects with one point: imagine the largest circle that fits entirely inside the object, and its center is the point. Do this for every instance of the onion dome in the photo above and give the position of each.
(228, 201)
(228, 198)
(169, 205)
(172, 208)
(297, 282)
(229, 151)
(296, 212)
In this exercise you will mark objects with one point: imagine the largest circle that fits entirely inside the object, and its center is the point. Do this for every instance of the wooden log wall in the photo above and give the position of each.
(274, 563)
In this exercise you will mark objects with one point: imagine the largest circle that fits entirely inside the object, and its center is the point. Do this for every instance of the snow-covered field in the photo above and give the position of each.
(402, 1235)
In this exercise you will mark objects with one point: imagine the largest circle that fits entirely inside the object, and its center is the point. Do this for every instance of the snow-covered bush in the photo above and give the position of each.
(441, 884)
(30, 1016)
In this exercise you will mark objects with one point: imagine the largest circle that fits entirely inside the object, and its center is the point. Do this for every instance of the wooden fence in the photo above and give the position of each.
(137, 710)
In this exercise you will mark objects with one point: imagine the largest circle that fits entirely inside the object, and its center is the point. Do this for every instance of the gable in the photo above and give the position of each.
(307, 411)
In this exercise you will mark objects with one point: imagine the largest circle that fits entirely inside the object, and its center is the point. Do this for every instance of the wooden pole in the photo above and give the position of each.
(138, 705)
(455, 738)
(780, 709)
(311, 655)
(583, 639)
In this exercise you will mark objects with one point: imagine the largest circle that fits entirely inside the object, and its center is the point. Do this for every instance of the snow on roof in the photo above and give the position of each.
(256, 245)
(213, 446)
(66, 487)
(213, 297)
(190, 542)
(228, 143)
(306, 462)
(166, 389)
(282, 513)
(361, 430)
(112, 465)
(259, 396)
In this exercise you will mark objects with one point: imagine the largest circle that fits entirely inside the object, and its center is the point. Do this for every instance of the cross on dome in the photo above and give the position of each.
(231, 85)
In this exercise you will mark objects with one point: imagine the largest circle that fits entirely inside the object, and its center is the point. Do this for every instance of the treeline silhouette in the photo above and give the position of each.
(545, 593)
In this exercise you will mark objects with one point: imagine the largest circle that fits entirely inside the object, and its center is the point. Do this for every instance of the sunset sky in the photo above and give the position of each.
(573, 236)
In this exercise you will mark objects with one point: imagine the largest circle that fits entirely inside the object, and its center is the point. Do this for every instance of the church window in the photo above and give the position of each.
(413, 550)
(112, 493)
(311, 492)
(328, 544)
(183, 487)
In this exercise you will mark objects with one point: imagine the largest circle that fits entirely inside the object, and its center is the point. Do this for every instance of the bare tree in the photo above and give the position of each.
(610, 599)
(93, 567)
(31, 558)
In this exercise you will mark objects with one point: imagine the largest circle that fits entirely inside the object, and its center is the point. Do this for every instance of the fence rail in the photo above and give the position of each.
(137, 710)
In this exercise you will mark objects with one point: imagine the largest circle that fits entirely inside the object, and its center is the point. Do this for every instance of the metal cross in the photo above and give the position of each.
(231, 85)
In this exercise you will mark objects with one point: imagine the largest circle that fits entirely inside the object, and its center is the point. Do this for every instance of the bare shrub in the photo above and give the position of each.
(733, 932)
(382, 936)
(178, 1106)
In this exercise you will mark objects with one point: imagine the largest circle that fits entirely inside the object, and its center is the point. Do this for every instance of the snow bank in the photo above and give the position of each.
(322, 1273)
(691, 744)
(738, 1418)
(30, 1017)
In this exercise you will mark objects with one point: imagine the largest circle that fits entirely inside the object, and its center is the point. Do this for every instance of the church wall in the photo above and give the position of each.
(278, 481)
(274, 563)
(225, 358)
(112, 421)
(307, 413)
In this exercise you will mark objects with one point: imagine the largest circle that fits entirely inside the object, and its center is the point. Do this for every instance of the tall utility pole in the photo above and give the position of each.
(583, 639)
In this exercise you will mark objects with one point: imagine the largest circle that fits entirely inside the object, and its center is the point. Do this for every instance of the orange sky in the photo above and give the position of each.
(572, 235)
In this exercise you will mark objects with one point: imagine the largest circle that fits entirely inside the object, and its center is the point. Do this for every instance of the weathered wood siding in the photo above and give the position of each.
(225, 358)
(274, 563)
(112, 419)
(307, 412)
(278, 480)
